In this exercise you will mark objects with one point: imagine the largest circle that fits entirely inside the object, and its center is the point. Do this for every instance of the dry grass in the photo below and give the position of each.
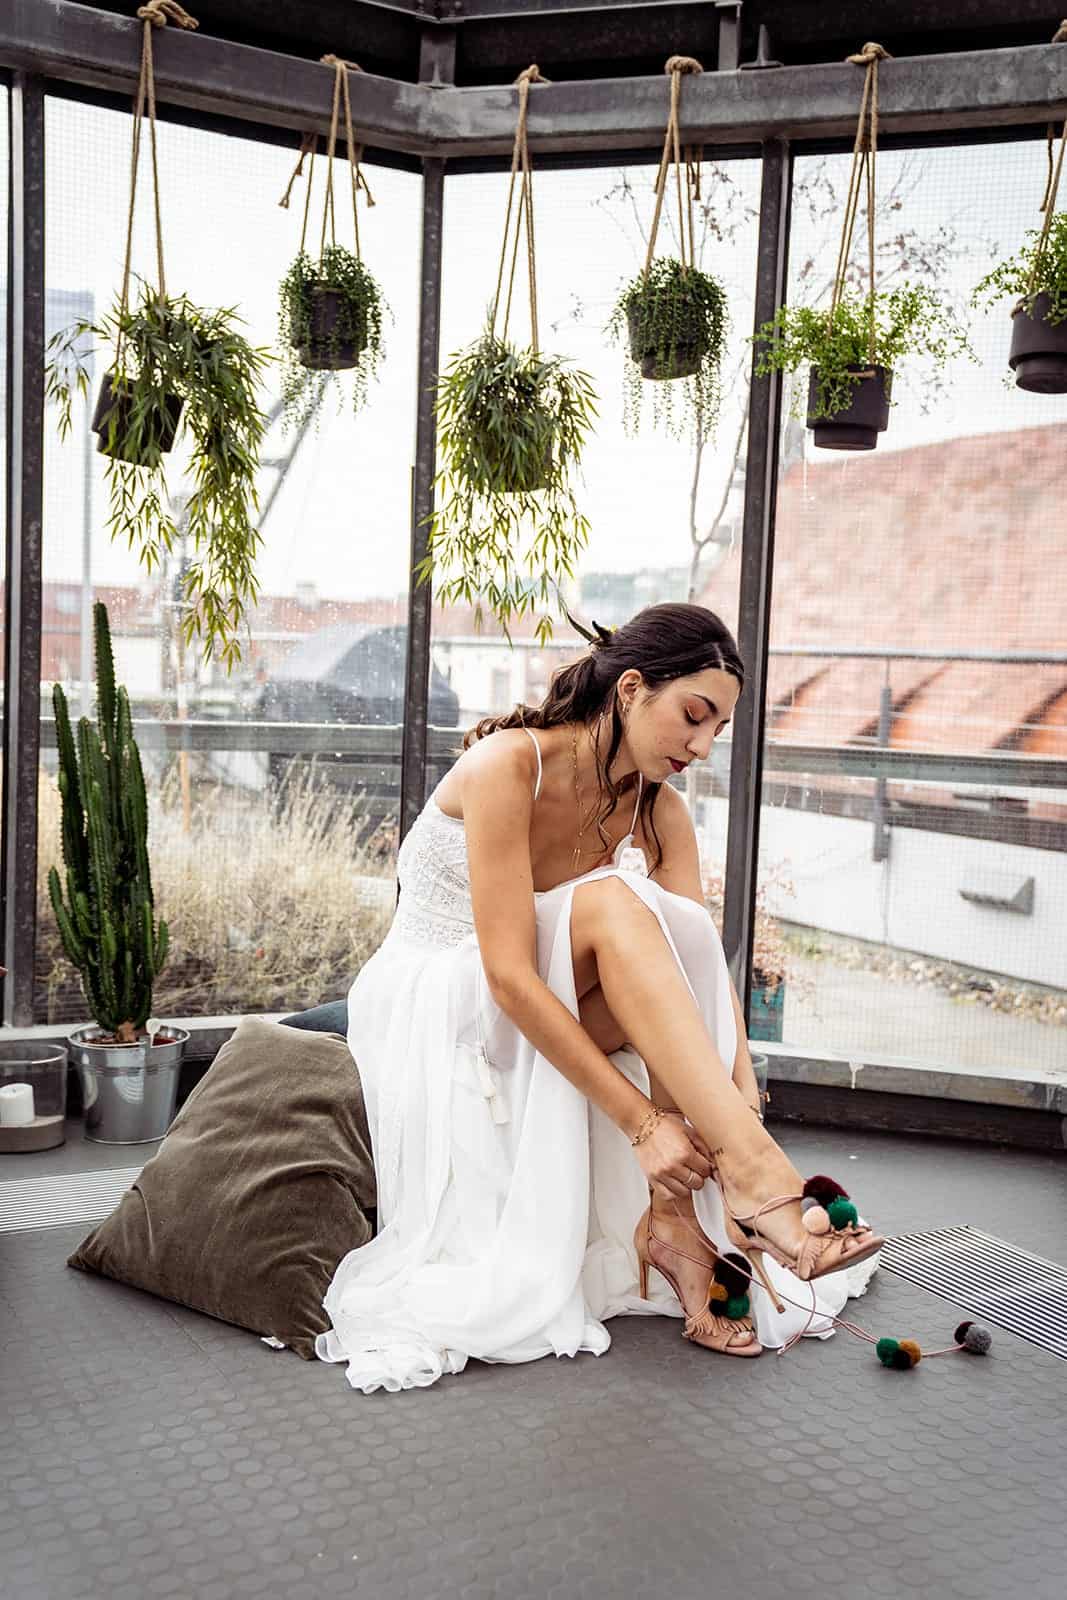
(273, 904)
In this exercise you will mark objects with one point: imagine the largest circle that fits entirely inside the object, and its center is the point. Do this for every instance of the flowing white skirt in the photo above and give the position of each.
(506, 1201)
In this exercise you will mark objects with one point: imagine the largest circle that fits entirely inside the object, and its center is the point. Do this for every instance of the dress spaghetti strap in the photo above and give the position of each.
(540, 769)
(637, 802)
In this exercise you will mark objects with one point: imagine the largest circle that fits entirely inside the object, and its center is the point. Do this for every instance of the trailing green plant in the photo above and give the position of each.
(911, 319)
(163, 347)
(1040, 267)
(106, 920)
(507, 529)
(356, 330)
(672, 316)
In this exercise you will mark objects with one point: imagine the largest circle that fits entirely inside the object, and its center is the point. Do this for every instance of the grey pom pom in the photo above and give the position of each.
(977, 1340)
(808, 1202)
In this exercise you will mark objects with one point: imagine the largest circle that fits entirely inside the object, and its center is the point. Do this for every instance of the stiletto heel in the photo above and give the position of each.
(754, 1257)
(725, 1310)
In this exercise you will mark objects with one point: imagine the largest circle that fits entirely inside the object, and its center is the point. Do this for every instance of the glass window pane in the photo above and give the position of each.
(273, 790)
(914, 912)
(665, 515)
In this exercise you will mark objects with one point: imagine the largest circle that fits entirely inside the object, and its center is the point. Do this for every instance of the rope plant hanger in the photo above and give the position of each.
(852, 349)
(331, 308)
(673, 314)
(511, 427)
(1036, 279)
(173, 363)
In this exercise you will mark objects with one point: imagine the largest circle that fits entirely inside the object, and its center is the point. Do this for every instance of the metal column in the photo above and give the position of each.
(22, 620)
(420, 597)
(757, 559)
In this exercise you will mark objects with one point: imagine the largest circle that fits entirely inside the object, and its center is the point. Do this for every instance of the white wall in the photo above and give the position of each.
(911, 901)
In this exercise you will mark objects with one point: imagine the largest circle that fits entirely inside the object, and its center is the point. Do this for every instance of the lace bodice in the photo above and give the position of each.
(435, 886)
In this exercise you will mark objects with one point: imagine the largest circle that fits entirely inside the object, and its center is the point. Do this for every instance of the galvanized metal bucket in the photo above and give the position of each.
(129, 1090)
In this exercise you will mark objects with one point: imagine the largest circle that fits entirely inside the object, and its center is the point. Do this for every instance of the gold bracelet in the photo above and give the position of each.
(651, 1122)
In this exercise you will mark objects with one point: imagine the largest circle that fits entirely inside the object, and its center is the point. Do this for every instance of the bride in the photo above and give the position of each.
(565, 1120)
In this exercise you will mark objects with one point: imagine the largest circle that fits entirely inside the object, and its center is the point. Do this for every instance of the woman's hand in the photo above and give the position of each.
(674, 1158)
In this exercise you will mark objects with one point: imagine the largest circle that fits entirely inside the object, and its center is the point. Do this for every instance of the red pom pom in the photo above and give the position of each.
(824, 1190)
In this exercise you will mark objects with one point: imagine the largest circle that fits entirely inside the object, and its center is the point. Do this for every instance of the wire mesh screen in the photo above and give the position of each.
(664, 501)
(910, 901)
(273, 790)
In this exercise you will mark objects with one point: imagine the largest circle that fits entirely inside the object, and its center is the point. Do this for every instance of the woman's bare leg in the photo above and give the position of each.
(617, 943)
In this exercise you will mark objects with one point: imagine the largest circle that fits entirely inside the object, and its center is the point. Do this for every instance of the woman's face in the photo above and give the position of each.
(667, 728)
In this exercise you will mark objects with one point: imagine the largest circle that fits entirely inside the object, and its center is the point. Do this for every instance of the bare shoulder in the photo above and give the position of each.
(505, 760)
(673, 820)
(679, 870)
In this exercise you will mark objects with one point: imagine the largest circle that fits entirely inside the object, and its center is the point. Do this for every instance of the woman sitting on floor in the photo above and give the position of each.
(549, 1036)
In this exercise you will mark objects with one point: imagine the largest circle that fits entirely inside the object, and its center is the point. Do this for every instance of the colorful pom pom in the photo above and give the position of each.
(842, 1213)
(824, 1190)
(732, 1271)
(899, 1354)
(718, 1293)
(816, 1220)
(737, 1307)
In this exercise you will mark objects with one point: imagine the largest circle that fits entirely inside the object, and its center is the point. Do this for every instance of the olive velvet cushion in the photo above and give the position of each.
(261, 1186)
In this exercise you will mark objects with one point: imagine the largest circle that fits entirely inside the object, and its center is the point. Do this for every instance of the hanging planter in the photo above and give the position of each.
(854, 347)
(511, 426)
(673, 315)
(330, 307)
(1036, 278)
(173, 367)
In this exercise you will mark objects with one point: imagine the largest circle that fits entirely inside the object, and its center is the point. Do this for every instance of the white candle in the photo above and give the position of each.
(16, 1105)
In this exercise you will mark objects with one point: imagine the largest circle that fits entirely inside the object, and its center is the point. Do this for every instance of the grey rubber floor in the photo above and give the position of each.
(148, 1451)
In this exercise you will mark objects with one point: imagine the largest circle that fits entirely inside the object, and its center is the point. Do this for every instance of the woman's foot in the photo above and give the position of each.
(672, 1243)
(762, 1195)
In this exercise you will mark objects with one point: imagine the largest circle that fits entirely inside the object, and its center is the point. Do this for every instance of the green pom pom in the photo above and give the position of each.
(841, 1213)
(736, 1307)
(885, 1350)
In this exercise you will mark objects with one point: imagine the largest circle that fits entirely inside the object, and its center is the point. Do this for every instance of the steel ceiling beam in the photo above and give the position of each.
(919, 94)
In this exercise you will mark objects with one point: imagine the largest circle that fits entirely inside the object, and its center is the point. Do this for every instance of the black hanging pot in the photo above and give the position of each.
(335, 338)
(156, 431)
(1038, 350)
(865, 417)
(680, 361)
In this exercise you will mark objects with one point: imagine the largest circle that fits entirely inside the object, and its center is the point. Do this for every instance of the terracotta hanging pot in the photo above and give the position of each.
(1038, 349)
(865, 417)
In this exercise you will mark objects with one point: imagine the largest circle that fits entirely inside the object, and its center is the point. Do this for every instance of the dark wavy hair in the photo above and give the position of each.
(662, 643)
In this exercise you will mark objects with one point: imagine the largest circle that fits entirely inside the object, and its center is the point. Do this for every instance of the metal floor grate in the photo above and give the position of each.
(67, 1197)
(1022, 1293)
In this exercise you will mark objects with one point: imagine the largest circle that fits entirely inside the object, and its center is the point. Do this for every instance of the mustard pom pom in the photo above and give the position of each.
(912, 1349)
(717, 1293)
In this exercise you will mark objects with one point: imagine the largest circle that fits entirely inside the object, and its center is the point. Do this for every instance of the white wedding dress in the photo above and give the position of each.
(506, 1200)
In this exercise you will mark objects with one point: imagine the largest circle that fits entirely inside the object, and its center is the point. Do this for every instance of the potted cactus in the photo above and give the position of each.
(105, 913)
